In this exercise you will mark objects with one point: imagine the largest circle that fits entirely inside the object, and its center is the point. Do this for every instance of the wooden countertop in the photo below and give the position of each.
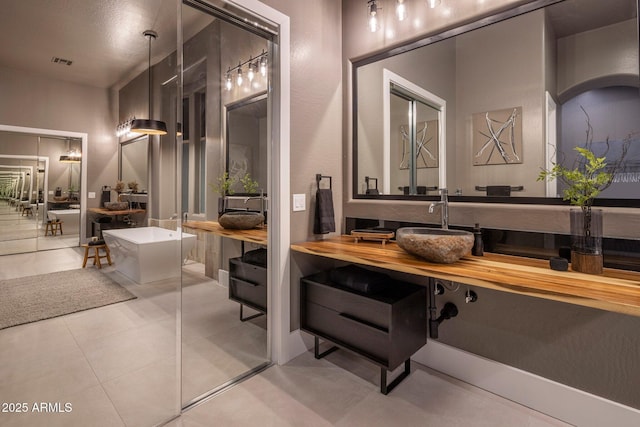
(104, 211)
(615, 290)
(255, 235)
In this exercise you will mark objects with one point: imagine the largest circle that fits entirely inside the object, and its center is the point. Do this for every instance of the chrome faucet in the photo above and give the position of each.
(444, 208)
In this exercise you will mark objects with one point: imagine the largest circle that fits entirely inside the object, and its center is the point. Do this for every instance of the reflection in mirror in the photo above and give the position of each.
(414, 128)
(224, 284)
(38, 184)
(194, 138)
(247, 144)
(516, 91)
(133, 163)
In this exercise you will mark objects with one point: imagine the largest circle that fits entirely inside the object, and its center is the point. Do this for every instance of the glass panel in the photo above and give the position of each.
(18, 210)
(225, 280)
(61, 213)
(402, 140)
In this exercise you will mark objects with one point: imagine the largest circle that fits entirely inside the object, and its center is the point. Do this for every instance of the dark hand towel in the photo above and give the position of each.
(324, 221)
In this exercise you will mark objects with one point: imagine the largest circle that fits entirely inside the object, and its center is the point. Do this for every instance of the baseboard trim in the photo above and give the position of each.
(557, 400)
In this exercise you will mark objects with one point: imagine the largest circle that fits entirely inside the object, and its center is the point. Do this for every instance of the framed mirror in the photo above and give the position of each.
(520, 94)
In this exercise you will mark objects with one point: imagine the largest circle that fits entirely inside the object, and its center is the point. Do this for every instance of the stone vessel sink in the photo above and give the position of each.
(435, 244)
(116, 206)
(240, 220)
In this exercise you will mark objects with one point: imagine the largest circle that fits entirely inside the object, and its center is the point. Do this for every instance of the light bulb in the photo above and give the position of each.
(263, 66)
(373, 16)
(239, 78)
(401, 10)
(251, 73)
(433, 3)
(229, 83)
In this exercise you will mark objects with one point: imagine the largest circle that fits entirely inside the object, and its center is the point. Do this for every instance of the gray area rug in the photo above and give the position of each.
(33, 298)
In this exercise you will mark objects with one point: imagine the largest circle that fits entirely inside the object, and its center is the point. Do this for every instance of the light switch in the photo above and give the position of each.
(91, 195)
(299, 202)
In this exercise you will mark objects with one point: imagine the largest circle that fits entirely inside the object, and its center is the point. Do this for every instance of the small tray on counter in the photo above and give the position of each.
(382, 236)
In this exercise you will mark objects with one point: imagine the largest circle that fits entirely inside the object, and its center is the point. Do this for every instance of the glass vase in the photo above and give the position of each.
(586, 240)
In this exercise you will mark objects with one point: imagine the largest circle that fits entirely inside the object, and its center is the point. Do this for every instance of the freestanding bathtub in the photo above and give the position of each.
(148, 254)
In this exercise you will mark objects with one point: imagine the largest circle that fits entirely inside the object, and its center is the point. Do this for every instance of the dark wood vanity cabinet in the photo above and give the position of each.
(248, 284)
(385, 327)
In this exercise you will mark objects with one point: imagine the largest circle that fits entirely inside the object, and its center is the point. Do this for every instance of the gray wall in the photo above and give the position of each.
(586, 348)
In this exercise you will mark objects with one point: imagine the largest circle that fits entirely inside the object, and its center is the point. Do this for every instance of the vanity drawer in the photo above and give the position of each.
(248, 293)
(367, 309)
(248, 284)
(248, 272)
(349, 331)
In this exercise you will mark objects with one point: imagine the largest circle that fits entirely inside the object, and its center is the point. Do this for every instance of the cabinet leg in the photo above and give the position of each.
(244, 319)
(316, 349)
(386, 388)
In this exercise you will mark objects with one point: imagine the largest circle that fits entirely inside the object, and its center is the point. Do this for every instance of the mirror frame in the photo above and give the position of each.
(425, 41)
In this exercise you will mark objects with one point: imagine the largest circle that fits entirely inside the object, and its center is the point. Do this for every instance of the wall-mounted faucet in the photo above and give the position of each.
(444, 208)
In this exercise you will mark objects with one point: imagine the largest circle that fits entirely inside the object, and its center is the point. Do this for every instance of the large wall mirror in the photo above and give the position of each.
(134, 163)
(247, 143)
(40, 182)
(520, 95)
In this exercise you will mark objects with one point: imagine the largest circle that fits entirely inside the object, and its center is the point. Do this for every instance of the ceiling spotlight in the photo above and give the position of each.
(434, 3)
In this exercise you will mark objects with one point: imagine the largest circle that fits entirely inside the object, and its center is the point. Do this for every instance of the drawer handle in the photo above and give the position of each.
(364, 323)
(235, 279)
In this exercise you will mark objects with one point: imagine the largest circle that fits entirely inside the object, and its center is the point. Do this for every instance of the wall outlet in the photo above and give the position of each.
(299, 202)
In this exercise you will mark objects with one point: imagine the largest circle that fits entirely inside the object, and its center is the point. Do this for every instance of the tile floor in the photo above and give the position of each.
(342, 390)
(20, 233)
(116, 365)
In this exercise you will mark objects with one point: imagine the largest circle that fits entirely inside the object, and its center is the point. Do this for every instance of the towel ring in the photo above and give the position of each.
(319, 177)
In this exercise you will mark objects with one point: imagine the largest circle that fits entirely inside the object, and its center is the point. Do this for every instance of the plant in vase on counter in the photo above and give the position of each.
(584, 182)
(119, 187)
(249, 185)
(223, 187)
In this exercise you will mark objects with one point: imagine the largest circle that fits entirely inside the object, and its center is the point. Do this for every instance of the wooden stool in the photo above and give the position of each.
(27, 211)
(96, 254)
(53, 226)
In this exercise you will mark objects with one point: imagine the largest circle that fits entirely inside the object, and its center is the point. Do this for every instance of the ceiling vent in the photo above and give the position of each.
(61, 61)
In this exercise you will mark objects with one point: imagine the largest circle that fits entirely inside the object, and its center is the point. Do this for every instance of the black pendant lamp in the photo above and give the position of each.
(149, 126)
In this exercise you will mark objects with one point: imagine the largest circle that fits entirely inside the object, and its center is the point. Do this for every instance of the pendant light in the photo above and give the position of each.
(149, 126)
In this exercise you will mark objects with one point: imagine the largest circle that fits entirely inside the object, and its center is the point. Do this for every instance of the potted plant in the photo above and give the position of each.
(588, 178)
(222, 186)
(249, 185)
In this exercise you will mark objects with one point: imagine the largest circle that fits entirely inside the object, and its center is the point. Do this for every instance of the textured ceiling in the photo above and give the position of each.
(103, 38)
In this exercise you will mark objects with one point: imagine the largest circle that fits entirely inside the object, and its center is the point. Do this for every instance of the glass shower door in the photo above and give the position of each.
(224, 337)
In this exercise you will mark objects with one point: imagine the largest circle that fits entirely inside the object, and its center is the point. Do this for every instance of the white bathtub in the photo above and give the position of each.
(148, 254)
(69, 217)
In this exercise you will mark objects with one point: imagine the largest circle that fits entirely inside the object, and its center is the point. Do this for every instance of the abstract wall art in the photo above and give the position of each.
(497, 137)
(426, 145)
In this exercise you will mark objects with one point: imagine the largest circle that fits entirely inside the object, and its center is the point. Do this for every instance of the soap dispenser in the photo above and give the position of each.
(478, 246)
